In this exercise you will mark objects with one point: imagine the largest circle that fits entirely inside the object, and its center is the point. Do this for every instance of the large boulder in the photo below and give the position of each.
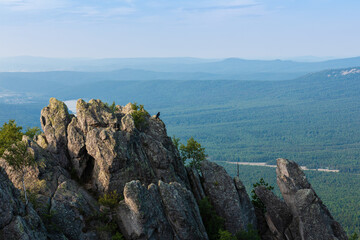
(95, 114)
(17, 221)
(166, 211)
(141, 216)
(70, 207)
(182, 211)
(228, 197)
(315, 220)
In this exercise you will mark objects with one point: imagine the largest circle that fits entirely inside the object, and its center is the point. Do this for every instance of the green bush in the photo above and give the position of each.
(108, 224)
(250, 234)
(354, 236)
(32, 132)
(110, 199)
(11, 133)
(192, 152)
(213, 223)
(226, 235)
(139, 115)
(111, 107)
(117, 236)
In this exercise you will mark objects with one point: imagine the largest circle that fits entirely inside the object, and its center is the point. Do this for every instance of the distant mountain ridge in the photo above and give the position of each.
(176, 68)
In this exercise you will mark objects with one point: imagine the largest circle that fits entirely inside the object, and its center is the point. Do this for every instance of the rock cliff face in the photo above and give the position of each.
(228, 196)
(107, 150)
(16, 220)
(101, 150)
(301, 215)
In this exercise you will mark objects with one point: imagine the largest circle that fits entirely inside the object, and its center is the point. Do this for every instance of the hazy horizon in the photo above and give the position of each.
(293, 58)
(248, 29)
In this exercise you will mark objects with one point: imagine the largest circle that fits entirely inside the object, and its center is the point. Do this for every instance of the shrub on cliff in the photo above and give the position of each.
(11, 133)
(139, 115)
(226, 235)
(192, 151)
(110, 199)
(112, 107)
(250, 234)
(20, 159)
(213, 223)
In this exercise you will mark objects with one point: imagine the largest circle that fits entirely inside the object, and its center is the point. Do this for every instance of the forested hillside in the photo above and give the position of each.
(312, 120)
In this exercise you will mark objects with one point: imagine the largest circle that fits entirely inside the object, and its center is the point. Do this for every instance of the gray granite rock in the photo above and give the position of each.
(278, 215)
(58, 200)
(182, 211)
(141, 215)
(17, 221)
(228, 197)
(54, 121)
(314, 219)
(107, 150)
(195, 183)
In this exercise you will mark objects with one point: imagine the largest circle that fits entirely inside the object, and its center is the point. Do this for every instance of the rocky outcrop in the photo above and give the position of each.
(195, 183)
(59, 200)
(278, 216)
(70, 206)
(54, 120)
(182, 211)
(166, 211)
(141, 215)
(16, 220)
(101, 150)
(301, 215)
(228, 196)
(107, 151)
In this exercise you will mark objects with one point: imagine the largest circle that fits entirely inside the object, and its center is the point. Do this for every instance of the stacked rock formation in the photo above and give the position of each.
(101, 150)
(301, 215)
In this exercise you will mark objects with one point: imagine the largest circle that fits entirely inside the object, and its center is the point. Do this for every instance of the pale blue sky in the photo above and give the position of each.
(255, 29)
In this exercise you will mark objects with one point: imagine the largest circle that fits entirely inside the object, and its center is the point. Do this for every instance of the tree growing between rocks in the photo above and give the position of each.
(11, 133)
(192, 152)
(139, 115)
(20, 159)
(112, 107)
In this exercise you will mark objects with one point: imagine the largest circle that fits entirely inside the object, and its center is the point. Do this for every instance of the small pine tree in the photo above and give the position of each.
(193, 152)
(250, 234)
(226, 235)
(32, 132)
(19, 158)
(139, 115)
(10, 133)
(354, 236)
(112, 107)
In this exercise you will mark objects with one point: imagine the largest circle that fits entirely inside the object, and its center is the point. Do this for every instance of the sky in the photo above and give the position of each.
(251, 29)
